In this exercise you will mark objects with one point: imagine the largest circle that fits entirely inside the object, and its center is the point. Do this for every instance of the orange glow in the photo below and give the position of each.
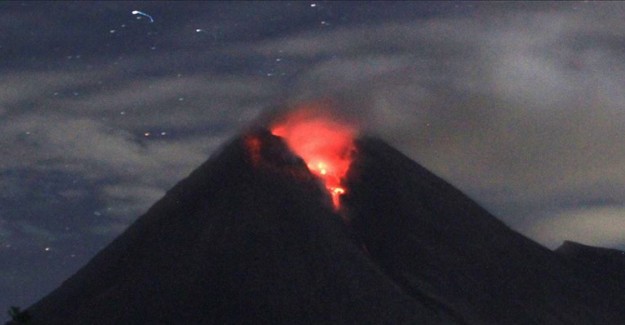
(325, 144)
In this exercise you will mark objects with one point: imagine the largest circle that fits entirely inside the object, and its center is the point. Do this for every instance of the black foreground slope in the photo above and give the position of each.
(597, 261)
(239, 241)
(600, 266)
(438, 244)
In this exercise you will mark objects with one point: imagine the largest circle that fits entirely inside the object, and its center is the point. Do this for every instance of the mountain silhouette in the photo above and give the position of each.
(434, 241)
(252, 236)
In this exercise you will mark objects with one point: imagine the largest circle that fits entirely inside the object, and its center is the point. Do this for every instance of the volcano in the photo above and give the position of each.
(255, 235)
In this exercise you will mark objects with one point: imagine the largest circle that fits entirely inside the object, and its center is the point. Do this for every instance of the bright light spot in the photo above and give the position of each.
(338, 191)
(312, 5)
(47, 249)
(325, 144)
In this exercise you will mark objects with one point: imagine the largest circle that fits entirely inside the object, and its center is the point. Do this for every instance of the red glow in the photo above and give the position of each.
(325, 144)
(253, 146)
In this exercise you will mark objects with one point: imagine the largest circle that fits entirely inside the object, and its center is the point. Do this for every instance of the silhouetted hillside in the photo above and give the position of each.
(235, 242)
(251, 236)
(435, 242)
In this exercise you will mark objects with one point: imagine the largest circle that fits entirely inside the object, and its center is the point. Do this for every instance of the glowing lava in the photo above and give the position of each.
(324, 144)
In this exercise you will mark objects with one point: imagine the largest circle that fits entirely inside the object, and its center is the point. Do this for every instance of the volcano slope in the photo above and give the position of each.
(248, 237)
(437, 243)
(252, 236)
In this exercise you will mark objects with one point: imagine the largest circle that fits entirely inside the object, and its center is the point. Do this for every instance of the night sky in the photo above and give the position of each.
(520, 105)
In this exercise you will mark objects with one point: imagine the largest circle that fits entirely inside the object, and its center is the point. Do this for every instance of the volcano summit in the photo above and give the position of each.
(260, 233)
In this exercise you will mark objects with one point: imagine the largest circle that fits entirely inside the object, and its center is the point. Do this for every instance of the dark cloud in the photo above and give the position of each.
(523, 101)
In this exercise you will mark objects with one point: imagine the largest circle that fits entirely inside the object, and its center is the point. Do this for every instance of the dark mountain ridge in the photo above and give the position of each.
(599, 266)
(252, 237)
(433, 240)
(238, 241)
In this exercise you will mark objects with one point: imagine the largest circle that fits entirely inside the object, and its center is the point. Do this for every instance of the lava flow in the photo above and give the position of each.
(327, 146)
